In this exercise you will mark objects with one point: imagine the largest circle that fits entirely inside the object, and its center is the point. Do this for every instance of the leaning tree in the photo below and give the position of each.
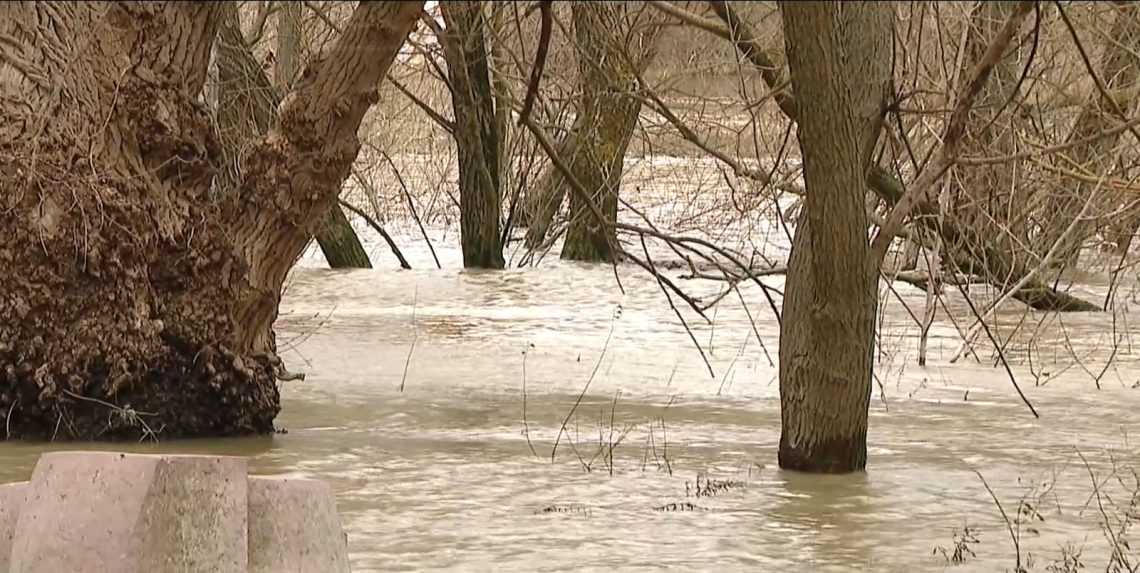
(137, 298)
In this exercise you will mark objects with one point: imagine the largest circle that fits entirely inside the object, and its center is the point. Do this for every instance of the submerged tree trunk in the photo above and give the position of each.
(839, 55)
(476, 134)
(339, 243)
(608, 47)
(545, 197)
(336, 237)
(141, 303)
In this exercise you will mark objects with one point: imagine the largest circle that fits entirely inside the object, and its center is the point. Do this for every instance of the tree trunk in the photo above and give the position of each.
(247, 102)
(839, 55)
(141, 303)
(607, 47)
(336, 237)
(1120, 70)
(339, 243)
(545, 197)
(289, 40)
(476, 134)
(500, 83)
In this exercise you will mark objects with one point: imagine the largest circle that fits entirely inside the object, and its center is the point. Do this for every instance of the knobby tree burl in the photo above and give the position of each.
(136, 300)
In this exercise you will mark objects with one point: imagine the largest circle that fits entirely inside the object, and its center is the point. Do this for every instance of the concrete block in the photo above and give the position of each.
(11, 500)
(131, 513)
(294, 527)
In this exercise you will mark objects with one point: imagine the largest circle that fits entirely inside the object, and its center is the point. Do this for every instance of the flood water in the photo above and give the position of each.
(441, 475)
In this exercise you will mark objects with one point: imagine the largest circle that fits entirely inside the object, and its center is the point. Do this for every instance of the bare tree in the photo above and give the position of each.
(140, 303)
(975, 249)
(336, 237)
(614, 42)
(1120, 70)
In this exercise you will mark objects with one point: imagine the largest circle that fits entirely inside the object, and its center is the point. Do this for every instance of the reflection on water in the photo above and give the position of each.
(442, 475)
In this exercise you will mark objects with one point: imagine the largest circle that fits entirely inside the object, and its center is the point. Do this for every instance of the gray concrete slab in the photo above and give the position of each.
(294, 526)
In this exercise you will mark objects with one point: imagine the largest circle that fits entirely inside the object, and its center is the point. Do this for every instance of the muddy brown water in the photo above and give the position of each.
(442, 475)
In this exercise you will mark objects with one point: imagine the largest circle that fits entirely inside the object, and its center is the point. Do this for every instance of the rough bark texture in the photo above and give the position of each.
(839, 57)
(1120, 70)
(954, 230)
(608, 48)
(140, 302)
(336, 237)
(476, 134)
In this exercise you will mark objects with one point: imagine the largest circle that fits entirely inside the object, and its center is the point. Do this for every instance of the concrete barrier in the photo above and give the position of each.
(294, 526)
(132, 513)
(11, 500)
(102, 511)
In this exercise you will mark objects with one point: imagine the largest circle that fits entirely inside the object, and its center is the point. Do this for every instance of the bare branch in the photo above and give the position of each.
(952, 135)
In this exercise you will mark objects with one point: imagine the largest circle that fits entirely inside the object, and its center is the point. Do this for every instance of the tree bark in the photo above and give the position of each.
(1034, 293)
(142, 300)
(337, 239)
(608, 49)
(544, 199)
(501, 85)
(477, 137)
(839, 57)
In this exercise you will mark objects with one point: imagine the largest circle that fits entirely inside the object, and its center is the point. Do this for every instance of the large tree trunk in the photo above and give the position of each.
(137, 304)
(476, 134)
(336, 237)
(986, 258)
(839, 55)
(607, 47)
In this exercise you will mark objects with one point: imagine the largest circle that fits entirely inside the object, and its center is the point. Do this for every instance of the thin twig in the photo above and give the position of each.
(379, 229)
(526, 425)
(415, 337)
(412, 207)
(677, 312)
(582, 394)
(1008, 524)
(1001, 354)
